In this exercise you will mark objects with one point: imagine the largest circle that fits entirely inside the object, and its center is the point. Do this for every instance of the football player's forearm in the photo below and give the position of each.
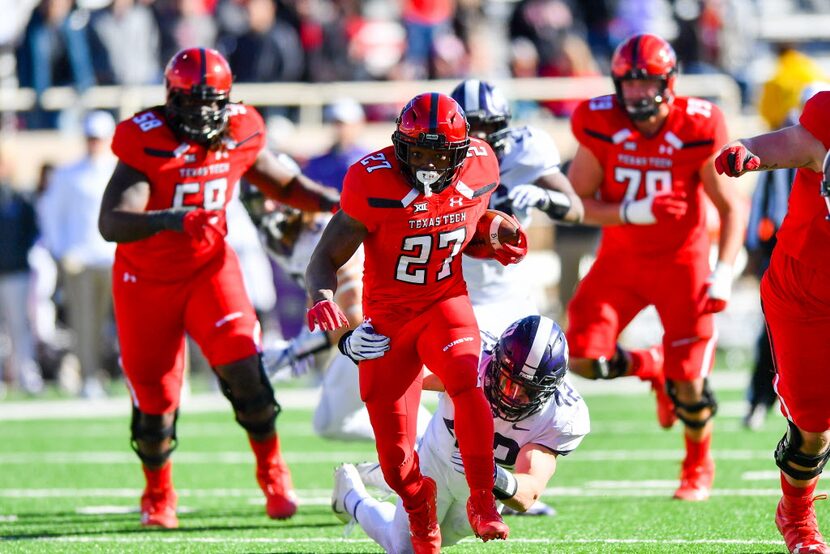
(789, 147)
(527, 493)
(732, 228)
(598, 212)
(307, 195)
(320, 279)
(126, 226)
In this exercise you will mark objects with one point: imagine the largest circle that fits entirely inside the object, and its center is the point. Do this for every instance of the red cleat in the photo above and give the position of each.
(797, 523)
(158, 508)
(696, 481)
(275, 482)
(484, 517)
(423, 522)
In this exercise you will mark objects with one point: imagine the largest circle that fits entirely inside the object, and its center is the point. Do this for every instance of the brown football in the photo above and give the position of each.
(492, 230)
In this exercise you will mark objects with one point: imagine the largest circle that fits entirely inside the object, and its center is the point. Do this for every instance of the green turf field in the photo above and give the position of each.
(73, 486)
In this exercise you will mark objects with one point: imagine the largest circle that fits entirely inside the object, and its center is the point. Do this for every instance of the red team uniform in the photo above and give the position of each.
(795, 294)
(415, 294)
(664, 264)
(413, 241)
(169, 283)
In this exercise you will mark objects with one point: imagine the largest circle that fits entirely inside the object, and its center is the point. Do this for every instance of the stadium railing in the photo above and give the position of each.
(312, 97)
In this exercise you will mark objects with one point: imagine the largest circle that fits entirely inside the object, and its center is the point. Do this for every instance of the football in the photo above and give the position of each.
(493, 229)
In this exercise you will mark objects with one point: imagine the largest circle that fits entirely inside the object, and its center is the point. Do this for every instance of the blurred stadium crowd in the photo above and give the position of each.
(55, 309)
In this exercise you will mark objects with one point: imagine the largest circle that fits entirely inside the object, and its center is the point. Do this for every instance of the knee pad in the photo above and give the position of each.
(610, 368)
(708, 401)
(788, 451)
(150, 428)
(252, 400)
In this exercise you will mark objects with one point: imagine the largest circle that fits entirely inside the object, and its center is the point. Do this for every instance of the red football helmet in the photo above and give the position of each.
(198, 84)
(436, 122)
(644, 56)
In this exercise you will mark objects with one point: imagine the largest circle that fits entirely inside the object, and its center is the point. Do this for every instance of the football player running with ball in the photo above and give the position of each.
(642, 168)
(537, 415)
(174, 273)
(414, 207)
(796, 303)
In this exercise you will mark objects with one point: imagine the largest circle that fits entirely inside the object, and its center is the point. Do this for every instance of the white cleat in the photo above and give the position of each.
(347, 483)
(372, 476)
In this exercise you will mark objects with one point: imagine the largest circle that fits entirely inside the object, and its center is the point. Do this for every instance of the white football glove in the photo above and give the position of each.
(720, 288)
(529, 196)
(295, 357)
(363, 343)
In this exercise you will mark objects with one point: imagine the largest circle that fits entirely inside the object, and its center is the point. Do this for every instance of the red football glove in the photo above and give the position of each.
(669, 206)
(735, 160)
(513, 254)
(201, 224)
(327, 315)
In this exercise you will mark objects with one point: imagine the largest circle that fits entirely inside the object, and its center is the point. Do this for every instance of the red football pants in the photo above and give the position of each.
(617, 288)
(211, 305)
(796, 302)
(446, 339)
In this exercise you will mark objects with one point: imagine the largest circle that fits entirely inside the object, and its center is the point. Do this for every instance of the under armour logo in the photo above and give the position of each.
(420, 207)
(129, 278)
(665, 149)
(456, 201)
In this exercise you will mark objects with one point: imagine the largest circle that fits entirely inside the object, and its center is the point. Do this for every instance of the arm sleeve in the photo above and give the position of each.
(126, 146)
(564, 437)
(816, 117)
(353, 199)
(578, 121)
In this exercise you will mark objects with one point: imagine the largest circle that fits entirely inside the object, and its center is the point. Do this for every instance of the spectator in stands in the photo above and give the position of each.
(326, 30)
(573, 59)
(782, 92)
(449, 58)
(18, 231)
(69, 218)
(545, 23)
(16, 14)
(347, 119)
(44, 276)
(268, 51)
(126, 44)
(55, 51)
(183, 24)
(425, 21)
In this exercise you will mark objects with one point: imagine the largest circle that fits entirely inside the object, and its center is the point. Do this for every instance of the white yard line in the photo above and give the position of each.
(156, 538)
(321, 497)
(246, 458)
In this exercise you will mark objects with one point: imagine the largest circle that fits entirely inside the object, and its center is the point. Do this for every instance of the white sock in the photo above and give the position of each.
(375, 518)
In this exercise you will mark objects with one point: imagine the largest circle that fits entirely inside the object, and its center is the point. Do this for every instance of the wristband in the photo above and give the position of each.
(505, 485)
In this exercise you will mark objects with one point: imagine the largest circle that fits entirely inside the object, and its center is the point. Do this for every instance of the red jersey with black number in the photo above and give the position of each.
(413, 248)
(184, 174)
(805, 232)
(637, 166)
